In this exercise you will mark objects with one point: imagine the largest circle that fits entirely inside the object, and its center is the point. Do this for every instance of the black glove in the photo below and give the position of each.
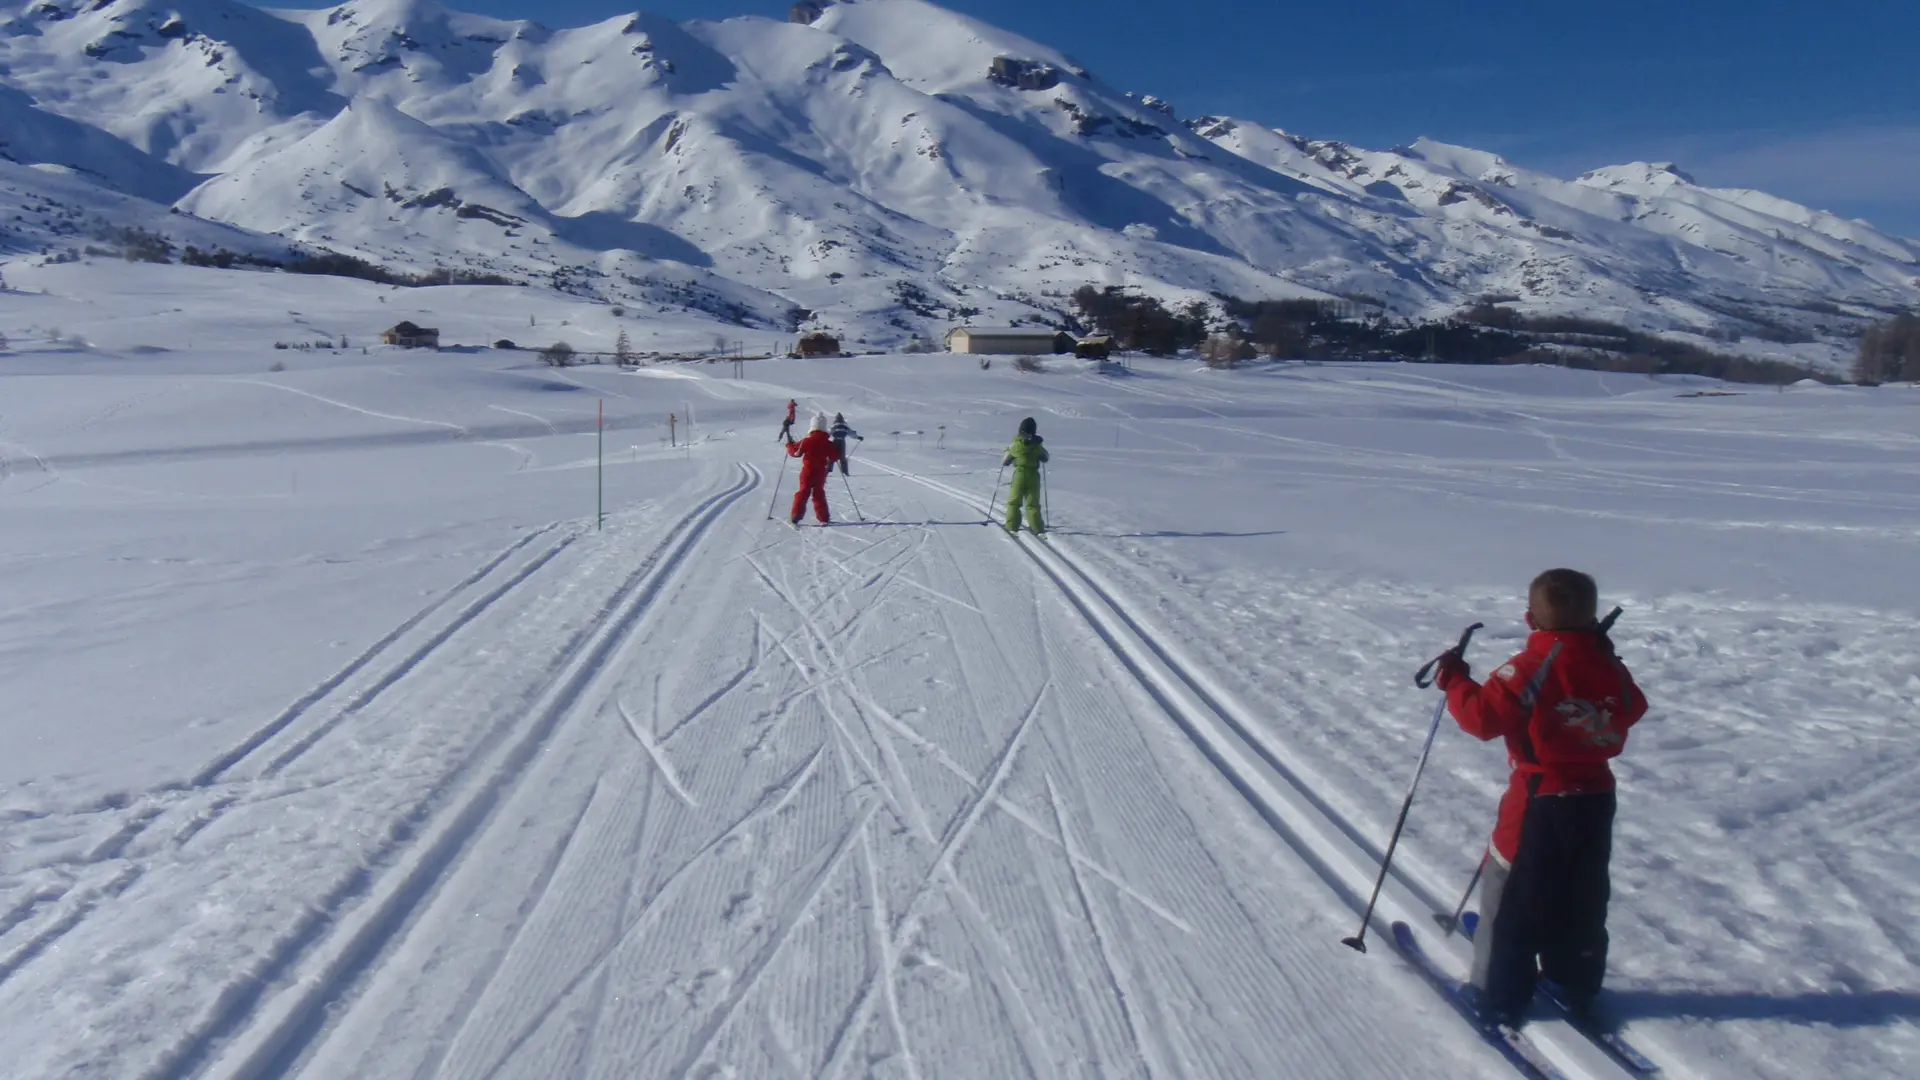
(1453, 668)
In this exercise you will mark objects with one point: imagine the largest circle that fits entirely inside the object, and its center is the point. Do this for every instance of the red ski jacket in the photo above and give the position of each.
(792, 407)
(816, 453)
(1564, 706)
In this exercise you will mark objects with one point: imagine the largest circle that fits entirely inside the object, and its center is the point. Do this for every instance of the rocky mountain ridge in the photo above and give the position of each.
(878, 167)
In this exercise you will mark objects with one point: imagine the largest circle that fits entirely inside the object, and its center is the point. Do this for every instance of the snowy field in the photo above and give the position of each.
(339, 743)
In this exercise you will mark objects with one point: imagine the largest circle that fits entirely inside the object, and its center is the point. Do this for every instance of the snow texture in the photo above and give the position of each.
(339, 742)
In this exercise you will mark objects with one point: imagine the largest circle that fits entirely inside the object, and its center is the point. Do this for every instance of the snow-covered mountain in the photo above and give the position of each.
(884, 165)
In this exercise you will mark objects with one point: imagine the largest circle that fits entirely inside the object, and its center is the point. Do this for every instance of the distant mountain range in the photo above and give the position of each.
(881, 168)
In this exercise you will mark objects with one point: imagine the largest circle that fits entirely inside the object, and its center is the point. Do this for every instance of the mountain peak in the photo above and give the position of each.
(1658, 175)
(889, 165)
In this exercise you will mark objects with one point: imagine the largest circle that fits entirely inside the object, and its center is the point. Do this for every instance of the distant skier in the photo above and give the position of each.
(817, 455)
(786, 426)
(841, 433)
(1564, 705)
(1026, 455)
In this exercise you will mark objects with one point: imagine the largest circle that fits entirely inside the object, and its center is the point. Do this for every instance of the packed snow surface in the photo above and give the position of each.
(341, 743)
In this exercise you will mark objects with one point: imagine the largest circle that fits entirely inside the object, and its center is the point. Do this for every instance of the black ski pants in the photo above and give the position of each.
(1550, 915)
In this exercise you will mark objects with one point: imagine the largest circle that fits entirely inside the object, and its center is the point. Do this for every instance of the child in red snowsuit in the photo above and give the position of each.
(1564, 706)
(817, 455)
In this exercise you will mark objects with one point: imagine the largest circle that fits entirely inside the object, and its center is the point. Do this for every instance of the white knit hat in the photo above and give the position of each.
(819, 421)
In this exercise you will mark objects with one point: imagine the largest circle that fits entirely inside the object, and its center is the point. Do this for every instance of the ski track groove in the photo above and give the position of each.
(151, 807)
(1331, 845)
(714, 698)
(414, 659)
(255, 1045)
(1100, 934)
(214, 770)
(431, 1066)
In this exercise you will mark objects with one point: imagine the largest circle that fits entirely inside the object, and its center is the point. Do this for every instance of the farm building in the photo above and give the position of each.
(408, 336)
(1098, 347)
(1011, 341)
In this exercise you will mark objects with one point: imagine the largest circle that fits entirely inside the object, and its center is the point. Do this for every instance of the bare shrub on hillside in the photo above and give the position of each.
(558, 354)
(1029, 364)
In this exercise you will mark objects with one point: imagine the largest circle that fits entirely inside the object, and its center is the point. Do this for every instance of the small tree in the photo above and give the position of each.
(558, 354)
(623, 349)
(3, 343)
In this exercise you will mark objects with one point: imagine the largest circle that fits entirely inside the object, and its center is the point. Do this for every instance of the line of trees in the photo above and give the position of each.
(334, 264)
(1486, 333)
(1142, 323)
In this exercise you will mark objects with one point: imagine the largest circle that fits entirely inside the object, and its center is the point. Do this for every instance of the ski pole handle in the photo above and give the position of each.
(1425, 676)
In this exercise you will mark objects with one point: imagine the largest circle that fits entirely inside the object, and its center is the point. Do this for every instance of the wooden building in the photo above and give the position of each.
(408, 336)
(1009, 341)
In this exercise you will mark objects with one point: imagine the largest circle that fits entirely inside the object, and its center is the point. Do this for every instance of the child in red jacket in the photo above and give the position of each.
(1564, 706)
(817, 455)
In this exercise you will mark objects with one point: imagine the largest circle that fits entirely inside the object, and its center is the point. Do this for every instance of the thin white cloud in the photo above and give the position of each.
(1871, 165)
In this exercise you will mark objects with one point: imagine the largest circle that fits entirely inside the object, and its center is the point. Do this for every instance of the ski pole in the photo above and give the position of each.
(1358, 942)
(771, 503)
(851, 499)
(1046, 508)
(1450, 923)
(994, 499)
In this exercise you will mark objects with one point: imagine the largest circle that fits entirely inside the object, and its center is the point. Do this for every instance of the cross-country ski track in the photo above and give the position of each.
(701, 795)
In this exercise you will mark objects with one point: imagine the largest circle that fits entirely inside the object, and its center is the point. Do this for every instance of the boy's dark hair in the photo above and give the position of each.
(1564, 599)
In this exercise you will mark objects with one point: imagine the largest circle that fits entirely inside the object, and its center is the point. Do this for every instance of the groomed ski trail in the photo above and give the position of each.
(868, 801)
(1284, 792)
(377, 778)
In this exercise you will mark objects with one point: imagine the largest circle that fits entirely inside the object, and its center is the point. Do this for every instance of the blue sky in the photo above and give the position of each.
(1818, 102)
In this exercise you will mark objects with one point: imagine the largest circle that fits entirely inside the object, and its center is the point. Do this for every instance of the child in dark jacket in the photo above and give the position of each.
(1564, 706)
(840, 432)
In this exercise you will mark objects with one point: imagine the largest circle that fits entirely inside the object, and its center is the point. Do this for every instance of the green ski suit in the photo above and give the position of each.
(1025, 455)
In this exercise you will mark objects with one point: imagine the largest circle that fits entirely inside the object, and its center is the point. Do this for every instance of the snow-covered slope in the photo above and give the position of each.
(887, 165)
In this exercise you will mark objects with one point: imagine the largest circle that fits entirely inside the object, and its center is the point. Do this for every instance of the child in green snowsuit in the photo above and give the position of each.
(1026, 454)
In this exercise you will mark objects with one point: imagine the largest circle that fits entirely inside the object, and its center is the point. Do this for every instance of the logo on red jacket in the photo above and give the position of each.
(1595, 722)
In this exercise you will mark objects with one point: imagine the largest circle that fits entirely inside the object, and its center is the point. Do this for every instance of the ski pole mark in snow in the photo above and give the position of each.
(659, 759)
